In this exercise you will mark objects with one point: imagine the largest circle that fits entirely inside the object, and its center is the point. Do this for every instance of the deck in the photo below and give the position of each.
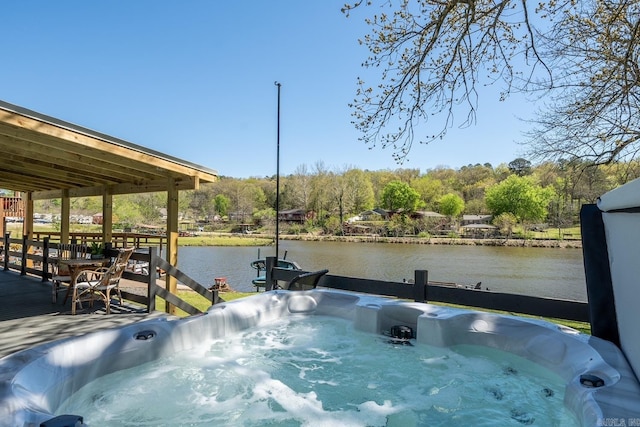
(28, 317)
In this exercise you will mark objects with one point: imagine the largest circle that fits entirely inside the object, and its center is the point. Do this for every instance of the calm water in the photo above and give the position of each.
(552, 273)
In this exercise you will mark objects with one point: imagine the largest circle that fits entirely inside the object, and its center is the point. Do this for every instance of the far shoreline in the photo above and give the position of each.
(233, 239)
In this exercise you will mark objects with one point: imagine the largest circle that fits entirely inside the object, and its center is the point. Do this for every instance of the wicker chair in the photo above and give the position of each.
(60, 275)
(101, 283)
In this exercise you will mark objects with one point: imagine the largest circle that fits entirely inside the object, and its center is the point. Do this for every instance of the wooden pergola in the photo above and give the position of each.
(47, 158)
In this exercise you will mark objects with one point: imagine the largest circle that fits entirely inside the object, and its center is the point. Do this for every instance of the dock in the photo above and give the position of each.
(29, 318)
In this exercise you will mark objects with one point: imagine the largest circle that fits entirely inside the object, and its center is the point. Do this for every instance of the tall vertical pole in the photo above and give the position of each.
(278, 178)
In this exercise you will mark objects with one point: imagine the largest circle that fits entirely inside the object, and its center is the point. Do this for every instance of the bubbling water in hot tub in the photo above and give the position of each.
(318, 370)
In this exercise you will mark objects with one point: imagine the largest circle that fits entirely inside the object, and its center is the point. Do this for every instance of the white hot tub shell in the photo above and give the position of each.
(34, 382)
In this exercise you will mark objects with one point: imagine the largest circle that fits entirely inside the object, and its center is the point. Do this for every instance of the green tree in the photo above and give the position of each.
(519, 196)
(264, 217)
(399, 225)
(379, 179)
(429, 188)
(149, 205)
(127, 210)
(319, 197)
(297, 189)
(332, 225)
(505, 223)
(86, 205)
(221, 204)
(520, 166)
(451, 205)
(359, 191)
(475, 207)
(400, 195)
(470, 181)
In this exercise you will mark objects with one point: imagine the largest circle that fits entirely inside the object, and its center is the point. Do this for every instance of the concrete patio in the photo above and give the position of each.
(28, 317)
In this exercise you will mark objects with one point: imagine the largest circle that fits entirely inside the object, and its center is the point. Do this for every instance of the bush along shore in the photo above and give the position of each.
(532, 243)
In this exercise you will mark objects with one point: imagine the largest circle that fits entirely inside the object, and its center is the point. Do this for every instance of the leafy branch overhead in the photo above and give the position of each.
(434, 57)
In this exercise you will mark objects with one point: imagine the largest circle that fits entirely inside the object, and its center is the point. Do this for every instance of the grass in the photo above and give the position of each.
(202, 304)
(556, 234)
(223, 240)
(199, 302)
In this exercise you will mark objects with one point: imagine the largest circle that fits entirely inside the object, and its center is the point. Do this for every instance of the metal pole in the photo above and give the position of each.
(278, 176)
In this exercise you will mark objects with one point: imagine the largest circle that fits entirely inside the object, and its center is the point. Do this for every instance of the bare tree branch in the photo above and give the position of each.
(433, 55)
(581, 56)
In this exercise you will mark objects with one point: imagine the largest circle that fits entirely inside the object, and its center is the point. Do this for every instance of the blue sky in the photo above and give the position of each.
(195, 79)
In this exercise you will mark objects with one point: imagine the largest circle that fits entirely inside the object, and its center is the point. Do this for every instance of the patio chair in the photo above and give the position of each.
(60, 275)
(305, 281)
(101, 283)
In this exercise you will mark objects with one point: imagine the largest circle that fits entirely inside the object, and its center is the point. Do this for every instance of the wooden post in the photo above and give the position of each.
(65, 213)
(107, 215)
(420, 286)
(172, 240)
(27, 225)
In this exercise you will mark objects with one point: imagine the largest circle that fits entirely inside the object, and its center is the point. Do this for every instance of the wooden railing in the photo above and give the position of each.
(11, 206)
(119, 240)
(156, 290)
(34, 257)
(22, 252)
(25, 255)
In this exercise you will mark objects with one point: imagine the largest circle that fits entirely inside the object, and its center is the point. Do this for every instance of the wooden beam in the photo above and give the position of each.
(27, 225)
(65, 213)
(107, 215)
(108, 166)
(184, 183)
(172, 239)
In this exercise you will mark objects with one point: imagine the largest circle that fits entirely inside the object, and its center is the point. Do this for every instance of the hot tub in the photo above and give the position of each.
(598, 386)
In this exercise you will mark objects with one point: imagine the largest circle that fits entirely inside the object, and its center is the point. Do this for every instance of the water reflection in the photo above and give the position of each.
(544, 272)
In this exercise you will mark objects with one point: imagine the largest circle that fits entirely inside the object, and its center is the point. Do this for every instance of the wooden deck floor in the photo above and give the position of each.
(28, 317)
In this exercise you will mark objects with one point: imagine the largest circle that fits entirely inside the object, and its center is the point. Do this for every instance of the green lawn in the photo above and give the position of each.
(200, 302)
(569, 233)
(223, 240)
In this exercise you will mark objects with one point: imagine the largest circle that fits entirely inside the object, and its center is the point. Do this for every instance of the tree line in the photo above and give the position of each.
(517, 192)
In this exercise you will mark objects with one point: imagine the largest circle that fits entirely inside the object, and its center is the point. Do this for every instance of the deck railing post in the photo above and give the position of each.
(270, 263)
(421, 280)
(7, 248)
(45, 259)
(23, 263)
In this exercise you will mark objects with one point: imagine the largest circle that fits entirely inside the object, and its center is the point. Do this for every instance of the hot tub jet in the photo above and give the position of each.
(400, 334)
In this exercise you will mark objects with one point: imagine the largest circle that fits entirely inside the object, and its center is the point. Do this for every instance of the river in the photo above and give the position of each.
(542, 272)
